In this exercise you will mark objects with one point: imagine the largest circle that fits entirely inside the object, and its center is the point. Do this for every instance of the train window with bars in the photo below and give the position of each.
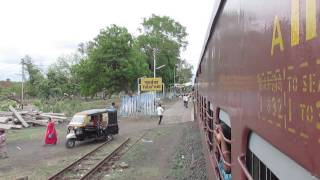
(200, 107)
(224, 117)
(223, 135)
(204, 112)
(257, 169)
(204, 109)
(265, 162)
(210, 120)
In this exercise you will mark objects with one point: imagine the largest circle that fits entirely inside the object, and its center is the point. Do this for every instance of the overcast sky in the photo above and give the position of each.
(47, 29)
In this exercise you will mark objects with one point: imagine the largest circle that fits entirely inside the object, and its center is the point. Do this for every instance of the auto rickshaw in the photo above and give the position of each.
(92, 124)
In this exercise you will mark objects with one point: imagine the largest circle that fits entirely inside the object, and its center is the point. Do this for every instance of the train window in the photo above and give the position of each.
(204, 111)
(223, 137)
(258, 169)
(223, 116)
(265, 162)
(210, 124)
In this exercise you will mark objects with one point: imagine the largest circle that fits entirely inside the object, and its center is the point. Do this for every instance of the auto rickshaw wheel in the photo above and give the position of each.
(70, 143)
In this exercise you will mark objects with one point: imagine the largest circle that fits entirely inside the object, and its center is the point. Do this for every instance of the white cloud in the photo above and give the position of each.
(46, 29)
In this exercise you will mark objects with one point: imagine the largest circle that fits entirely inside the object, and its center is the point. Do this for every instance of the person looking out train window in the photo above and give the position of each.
(223, 130)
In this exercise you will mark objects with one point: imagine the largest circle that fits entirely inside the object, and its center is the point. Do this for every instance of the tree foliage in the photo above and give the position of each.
(35, 77)
(184, 72)
(113, 61)
(57, 82)
(166, 38)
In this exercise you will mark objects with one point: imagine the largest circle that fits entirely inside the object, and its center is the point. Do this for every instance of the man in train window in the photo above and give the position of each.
(224, 132)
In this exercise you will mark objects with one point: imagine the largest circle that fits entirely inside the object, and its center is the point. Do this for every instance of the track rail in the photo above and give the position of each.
(105, 165)
(60, 175)
(106, 159)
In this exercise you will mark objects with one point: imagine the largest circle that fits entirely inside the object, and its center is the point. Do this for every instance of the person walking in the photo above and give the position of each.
(51, 136)
(160, 113)
(185, 100)
(3, 144)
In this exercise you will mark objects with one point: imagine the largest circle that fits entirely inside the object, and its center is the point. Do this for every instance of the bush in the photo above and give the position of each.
(70, 107)
(4, 105)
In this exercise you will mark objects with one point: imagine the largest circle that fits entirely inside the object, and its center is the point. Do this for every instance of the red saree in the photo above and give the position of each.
(51, 134)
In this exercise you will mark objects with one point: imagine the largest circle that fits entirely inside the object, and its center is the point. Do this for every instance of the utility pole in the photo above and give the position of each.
(174, 75)
(22, 80)
(154, 62)
(174, 80)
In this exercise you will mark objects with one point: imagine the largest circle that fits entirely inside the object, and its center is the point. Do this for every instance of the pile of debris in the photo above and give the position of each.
(14, 119)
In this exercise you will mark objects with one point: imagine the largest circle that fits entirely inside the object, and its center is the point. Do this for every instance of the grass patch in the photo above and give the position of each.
(35, 133)
(131, 173)
(44, 170)
(178, 169)
(136, 153)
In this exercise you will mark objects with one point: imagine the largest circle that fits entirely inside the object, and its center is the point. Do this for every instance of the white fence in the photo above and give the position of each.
(142, 104)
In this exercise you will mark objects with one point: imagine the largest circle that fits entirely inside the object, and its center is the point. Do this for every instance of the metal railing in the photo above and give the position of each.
(141, 104)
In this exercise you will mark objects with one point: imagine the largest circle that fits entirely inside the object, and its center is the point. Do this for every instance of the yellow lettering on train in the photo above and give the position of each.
(311, 19)
(318, 107)
(310, 25)
(309, 114)
(277, 39)
(295, 25)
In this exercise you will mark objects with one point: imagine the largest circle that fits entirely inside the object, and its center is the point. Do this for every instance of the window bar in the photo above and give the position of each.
(243, 167)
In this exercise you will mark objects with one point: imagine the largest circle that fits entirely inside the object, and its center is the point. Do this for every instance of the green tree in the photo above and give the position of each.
(184, 72)
(166, 38)
(35, 77)
(113, 63)
(61, 79)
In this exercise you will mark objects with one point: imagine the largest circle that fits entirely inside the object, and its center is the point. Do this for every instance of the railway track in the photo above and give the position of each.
(95, 163)
(84, 167)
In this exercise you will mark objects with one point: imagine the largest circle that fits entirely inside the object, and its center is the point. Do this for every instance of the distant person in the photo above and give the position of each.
(51, 134)
(185, 100)
(160, 113)
(113, 105)
(3, 144)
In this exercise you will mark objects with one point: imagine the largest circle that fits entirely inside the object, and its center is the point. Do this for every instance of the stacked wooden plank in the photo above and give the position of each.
(14, 119)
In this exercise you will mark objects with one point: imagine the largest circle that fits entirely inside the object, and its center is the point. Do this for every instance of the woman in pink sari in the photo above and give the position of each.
(51, 134)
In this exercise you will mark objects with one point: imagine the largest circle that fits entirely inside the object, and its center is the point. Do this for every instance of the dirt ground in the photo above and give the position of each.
(160, 154)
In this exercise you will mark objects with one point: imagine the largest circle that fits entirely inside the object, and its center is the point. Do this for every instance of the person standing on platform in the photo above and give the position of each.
(160, 113)
(51, 136)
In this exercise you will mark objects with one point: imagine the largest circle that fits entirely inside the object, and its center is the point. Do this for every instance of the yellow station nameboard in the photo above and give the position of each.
(151, 84)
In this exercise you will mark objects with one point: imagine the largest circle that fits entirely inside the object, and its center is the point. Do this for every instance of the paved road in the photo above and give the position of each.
(178, 113)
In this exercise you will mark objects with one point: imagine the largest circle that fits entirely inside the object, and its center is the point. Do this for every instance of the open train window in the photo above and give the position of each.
(204, 105)
(224, 117)
(223, 136)
(210, 124)
(205, 102)
(265, 162)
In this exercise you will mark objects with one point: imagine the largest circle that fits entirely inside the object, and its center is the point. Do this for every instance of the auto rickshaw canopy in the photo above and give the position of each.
(83, 118)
